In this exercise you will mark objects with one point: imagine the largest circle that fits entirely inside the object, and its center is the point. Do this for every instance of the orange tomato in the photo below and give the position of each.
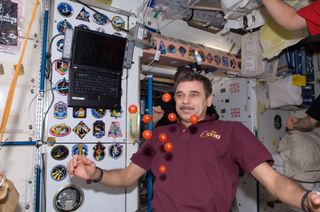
(172, 117)
(194, 119)
(163, 137)
(132, 109)
(147, 134)
(166, 97)
(168, 147)
(163, 169)
(146, 118)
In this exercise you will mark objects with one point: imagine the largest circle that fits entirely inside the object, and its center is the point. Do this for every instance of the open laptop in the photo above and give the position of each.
(96, 69)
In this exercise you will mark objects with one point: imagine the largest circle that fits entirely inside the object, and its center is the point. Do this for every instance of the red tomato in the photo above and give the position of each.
(163, 169)
(147, 134)
(132, 109)
(194, 119)
(166, 97)
(146, 118)
(163, 137)
(172, 117)
(168, 147)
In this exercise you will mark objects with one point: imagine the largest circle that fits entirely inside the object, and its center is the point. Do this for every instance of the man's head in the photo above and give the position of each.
(193, 94)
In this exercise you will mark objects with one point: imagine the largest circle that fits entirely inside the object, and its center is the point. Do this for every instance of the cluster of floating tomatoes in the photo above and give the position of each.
(147, 134)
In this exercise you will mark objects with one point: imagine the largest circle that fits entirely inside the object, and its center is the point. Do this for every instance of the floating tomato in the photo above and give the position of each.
(132, 109)
(163, 137)
(163, 169)
(147, 134)
(166, 97)
(168, 147)
(194, 119)
(172, 117)
(146, 118)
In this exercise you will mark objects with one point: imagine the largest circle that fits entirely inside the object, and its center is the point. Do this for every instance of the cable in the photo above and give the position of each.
(177, 16)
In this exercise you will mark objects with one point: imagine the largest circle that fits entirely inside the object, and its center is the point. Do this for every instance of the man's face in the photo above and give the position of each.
(191, 100)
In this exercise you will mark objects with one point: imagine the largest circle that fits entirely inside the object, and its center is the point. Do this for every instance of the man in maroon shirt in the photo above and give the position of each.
(203, 167)
(291, 19)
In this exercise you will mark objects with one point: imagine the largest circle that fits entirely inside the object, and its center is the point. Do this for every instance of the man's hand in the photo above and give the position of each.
(157, 114)
(313, 203)
(82, 167)
(291, 122)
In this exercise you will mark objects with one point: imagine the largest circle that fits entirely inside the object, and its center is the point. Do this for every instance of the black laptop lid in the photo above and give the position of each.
(103, 52)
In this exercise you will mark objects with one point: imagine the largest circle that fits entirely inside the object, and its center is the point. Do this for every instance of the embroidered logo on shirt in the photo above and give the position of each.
(211, 133)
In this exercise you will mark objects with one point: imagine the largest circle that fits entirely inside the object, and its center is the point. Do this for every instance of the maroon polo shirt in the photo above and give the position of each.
(312, 15)
(203, 168)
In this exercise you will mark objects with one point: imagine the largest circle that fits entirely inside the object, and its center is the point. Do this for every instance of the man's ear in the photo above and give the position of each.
(209, 100)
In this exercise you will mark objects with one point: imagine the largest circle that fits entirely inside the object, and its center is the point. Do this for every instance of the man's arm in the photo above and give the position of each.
(285, 189)
(284, 14)
(306, 122)
(86, 169)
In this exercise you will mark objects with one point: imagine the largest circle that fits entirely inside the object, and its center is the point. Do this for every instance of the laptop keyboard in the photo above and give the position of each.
(85, 84)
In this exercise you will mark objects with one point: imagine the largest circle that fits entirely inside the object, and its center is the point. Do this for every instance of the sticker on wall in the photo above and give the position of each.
(83, 15)
(171, 49)
(225, 61)
(202, 55)
(59, 152)
(80, 149)
(100, 29)
(277, 122)
(233, 63)
(217, 59)
(79, 112)
(99, 129)
(65, 9)
(62, 25)
(182, 51)
(60, 44)
(83, 26)
(100, 19)
(191, 54)
(114, 113)
(81, 129)
(209, 57)
(98, 113)
(60, 110)
(62, 66)
(69, 198)
(51, 141)
(59, 172)
(60, 130)
(115, 130)
(98, 151)
(118, 23)
(115, 151)
(162, 47)
(62, 87)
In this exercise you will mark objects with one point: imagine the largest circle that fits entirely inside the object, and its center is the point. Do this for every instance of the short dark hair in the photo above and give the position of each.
(192, 76)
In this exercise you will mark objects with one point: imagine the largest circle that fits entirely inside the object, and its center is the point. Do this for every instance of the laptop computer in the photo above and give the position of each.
(96, 69)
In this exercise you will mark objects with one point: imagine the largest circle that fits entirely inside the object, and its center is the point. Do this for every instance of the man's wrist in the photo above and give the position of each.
(304, 201)
(97, 177)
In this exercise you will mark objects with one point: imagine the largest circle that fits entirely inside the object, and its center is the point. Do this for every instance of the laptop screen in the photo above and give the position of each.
(98, 50)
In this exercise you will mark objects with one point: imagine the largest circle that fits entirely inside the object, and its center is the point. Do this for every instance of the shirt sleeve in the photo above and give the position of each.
(246, 149)
(312, 15)
(314, 110)
(144, 156)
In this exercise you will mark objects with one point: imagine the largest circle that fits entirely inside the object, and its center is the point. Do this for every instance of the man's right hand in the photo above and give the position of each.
(157, 114)
(82, 167)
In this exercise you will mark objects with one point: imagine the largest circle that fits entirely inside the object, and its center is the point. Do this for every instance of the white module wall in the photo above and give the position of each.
(235, 100)
(105, 136)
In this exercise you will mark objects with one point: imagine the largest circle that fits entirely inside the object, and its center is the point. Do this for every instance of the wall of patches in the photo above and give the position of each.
(41, 132)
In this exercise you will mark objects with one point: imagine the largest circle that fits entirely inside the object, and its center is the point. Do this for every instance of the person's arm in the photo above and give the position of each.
(284, 14)
(84, 168)
(306, 122)
(284, 188)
